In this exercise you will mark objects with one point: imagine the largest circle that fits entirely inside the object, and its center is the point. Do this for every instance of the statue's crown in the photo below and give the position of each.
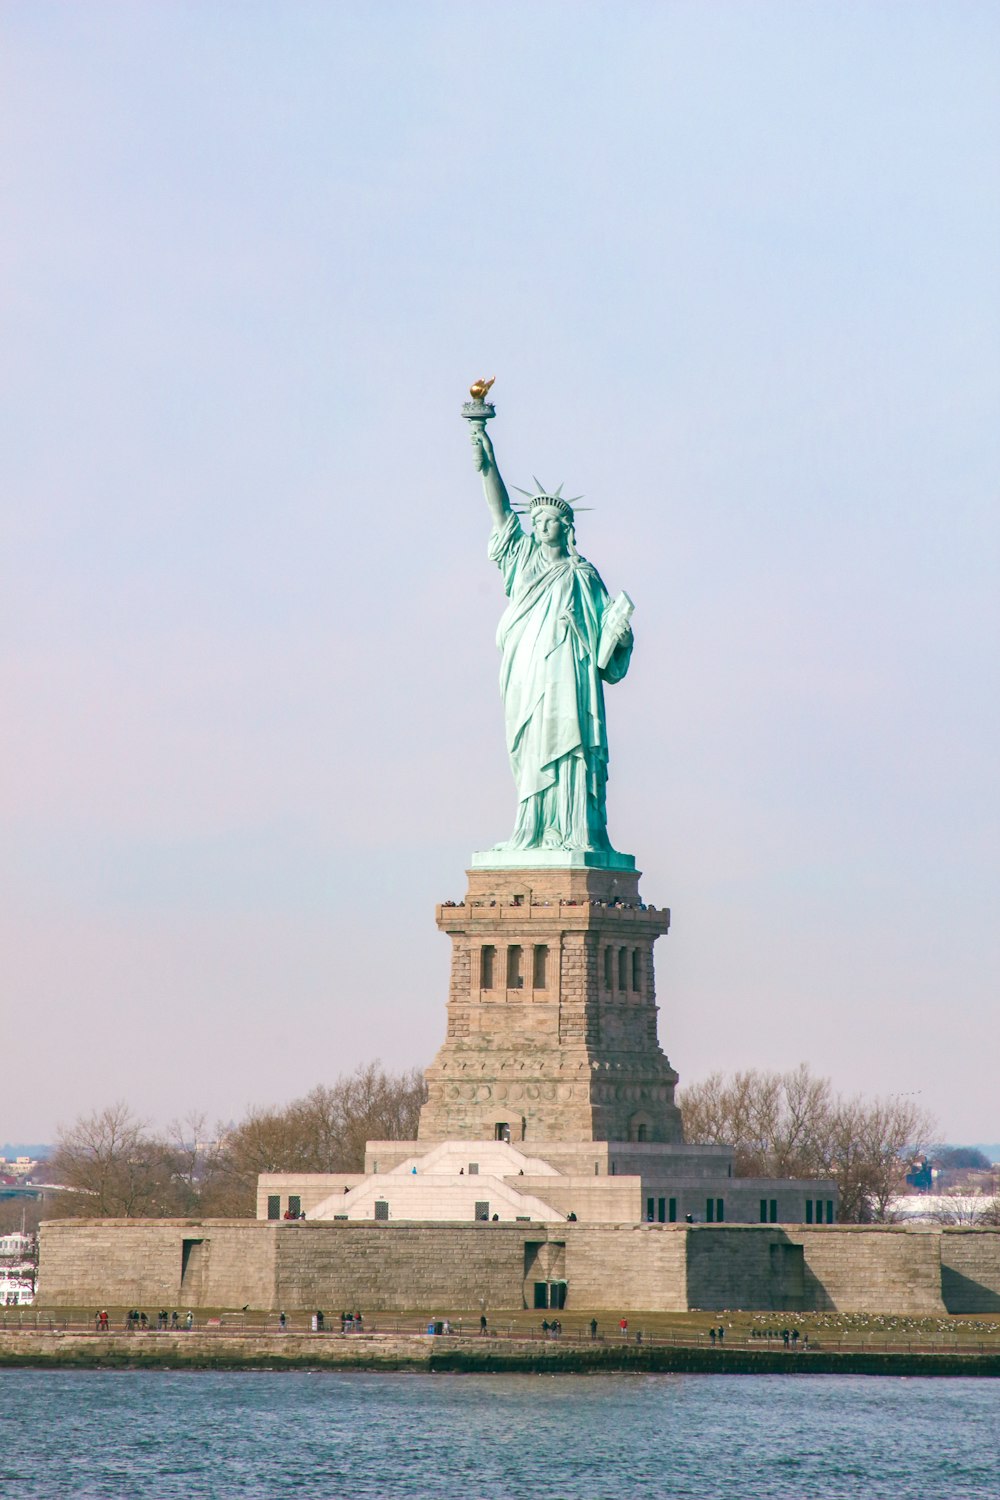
(540, 499)
(551, 502)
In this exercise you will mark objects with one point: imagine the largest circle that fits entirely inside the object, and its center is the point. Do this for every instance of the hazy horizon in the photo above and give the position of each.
(734, 268)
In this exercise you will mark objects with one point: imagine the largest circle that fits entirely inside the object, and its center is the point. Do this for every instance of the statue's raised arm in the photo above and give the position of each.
(493, 486)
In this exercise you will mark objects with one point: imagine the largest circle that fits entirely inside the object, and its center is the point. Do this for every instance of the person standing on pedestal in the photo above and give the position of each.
(558, 628)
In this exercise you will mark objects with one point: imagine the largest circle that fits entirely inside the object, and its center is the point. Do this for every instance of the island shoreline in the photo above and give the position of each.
(457, 1355)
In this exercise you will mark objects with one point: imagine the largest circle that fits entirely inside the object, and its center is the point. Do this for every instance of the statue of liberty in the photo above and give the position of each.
(561, 638)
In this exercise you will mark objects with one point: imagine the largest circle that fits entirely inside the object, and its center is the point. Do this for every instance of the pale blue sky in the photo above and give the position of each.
(735, 267)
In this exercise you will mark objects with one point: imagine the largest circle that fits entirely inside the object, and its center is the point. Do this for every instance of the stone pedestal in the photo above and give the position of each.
(551, 1013)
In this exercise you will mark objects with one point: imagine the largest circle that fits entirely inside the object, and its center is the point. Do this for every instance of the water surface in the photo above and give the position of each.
(164, 1435)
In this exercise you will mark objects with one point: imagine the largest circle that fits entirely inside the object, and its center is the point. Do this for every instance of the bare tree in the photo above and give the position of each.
(886, 1130)
(793, 1125)
(973, 1210)
(324, 1131)
(775, 1122)
(114, 1167)
(21, 1212)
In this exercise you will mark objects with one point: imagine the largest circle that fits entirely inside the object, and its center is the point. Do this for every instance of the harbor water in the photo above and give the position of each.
(100, 1435)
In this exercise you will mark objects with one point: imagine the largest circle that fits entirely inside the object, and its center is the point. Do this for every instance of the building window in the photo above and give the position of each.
(381, 1208)
(809, 1210)
(641, 1132)
(774, 1210)
(295, 1204)
(608, 968)
(661, 1210)
(829, 1210)
(482, 1211)
(623, 969)
(672, 1210)
(501, 1131)
(273, 1206)
(763, 1210)
(473, 1168)
(486, 958)
(540, 966)
(650, 1204)
(715, 1210)
(515, 979)
(636, 970)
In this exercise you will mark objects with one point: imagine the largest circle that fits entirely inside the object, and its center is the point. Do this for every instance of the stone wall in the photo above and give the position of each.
(428, 1267)
(734, 1267)
(404, 1268)
(871, 1268)
(152, 1262)
(616, 1267)
(845, 1268)
(611, 1199)
(970, 1270)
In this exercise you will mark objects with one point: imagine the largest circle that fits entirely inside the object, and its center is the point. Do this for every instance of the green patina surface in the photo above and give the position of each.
(562, 639)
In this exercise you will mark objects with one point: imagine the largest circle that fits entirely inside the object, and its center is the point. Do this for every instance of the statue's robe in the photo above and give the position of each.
(553, 692)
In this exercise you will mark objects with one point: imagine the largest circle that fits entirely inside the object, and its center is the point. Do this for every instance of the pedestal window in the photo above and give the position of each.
(541, 965)
(487, 957)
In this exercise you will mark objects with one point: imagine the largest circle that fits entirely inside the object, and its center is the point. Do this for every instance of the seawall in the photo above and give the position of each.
(428, 1354)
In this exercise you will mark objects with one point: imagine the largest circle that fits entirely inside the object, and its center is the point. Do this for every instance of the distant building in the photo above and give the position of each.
(18, 1261)
(18, 1245)
(920, 1177)
(17, 1166)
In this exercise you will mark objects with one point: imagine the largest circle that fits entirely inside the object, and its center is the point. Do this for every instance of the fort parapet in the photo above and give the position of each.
(609, 1267)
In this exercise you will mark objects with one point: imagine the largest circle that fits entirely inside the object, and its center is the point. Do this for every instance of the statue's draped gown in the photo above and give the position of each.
(553, 692)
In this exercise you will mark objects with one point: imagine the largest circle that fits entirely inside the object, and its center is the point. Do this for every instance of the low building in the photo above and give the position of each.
(16, 1289)
(592, 1182)
(18, 1264)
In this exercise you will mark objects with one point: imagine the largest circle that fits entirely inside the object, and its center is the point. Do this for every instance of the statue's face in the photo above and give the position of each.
(550, 528)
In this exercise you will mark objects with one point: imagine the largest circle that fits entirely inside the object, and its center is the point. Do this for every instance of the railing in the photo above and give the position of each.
(239, 1325)
(564, 912)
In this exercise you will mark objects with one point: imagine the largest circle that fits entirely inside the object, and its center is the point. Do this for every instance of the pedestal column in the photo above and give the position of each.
(552, 1012)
